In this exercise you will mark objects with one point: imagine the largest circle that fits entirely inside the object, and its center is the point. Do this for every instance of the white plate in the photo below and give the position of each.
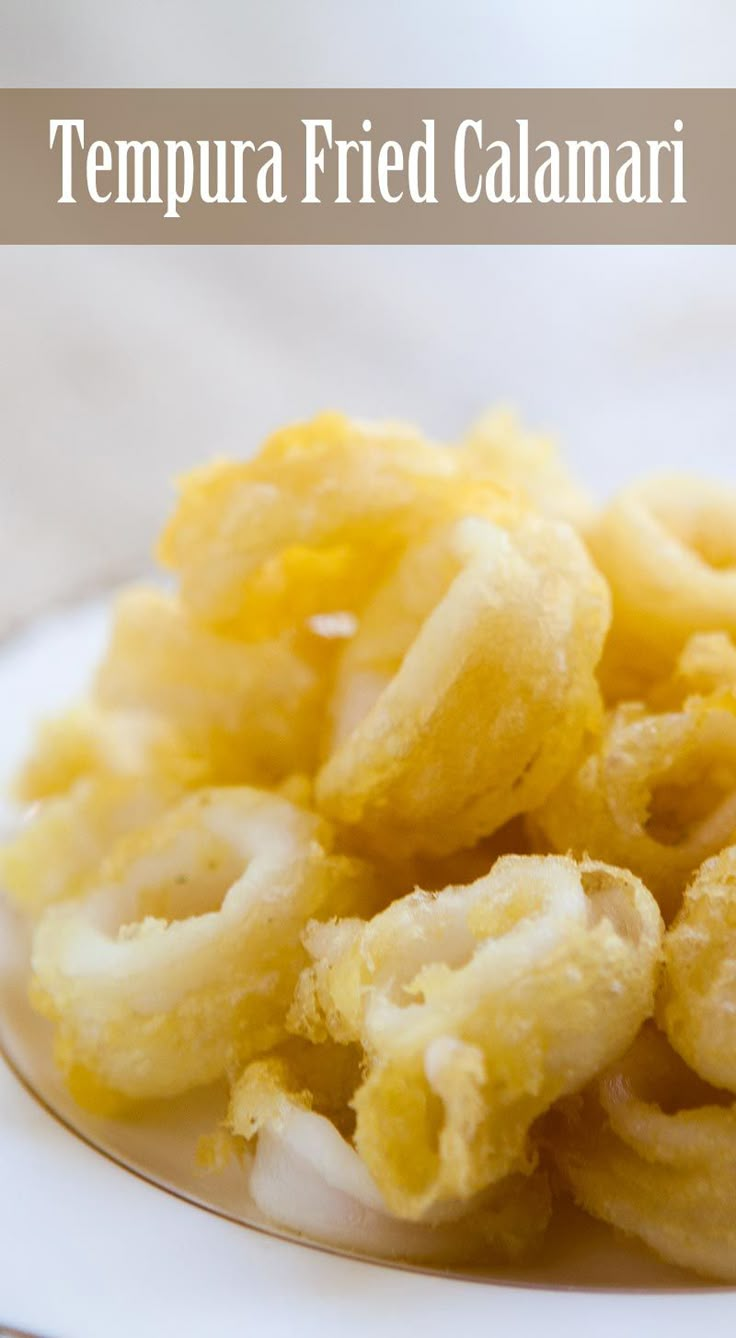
(86, 1248)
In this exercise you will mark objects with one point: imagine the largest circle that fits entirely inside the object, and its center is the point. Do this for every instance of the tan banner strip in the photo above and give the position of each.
(347, 166)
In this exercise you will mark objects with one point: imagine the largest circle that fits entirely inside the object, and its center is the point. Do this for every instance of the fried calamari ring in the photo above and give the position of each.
(55, 854)
(90, 742)
(250, 712)
(497, 446)
(95, 775)
(176, 707)
(477, 1008)
(667, 547)
(697, 1005)
(464, 696)
(183, 961)
(658, 794)
(307, 1177)
(651, 1149)
(308, 526)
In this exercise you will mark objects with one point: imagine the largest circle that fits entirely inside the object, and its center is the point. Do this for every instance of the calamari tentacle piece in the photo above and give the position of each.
(476, 1008)
(182, 962)
(657, 794)
(307, 1177)
(464, 696)
(651, 1149)
(667, 547)
(697, 1004)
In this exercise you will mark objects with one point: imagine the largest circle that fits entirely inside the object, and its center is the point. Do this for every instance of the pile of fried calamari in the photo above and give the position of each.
(410, 815)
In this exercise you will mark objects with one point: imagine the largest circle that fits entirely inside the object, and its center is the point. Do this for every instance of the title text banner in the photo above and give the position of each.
(417, 166)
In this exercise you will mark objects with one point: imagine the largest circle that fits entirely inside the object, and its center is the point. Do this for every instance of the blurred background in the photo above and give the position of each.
(121, 367)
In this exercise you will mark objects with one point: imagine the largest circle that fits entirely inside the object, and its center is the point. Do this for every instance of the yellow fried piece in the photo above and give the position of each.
(250, 712)
(464, 696)
(95, 775)
(308, 526)
(697, 1005)
(657, 794)
(90, 742)
(59, 849)
(307, 1177)
(182, 961)
(496, 446)
(651, 1149)
(668, 549)
(476, 1008)
(707, 664)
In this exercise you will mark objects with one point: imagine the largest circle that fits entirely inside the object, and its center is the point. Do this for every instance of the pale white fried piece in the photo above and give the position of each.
(476, 1008)
(307, 1177)
(182, 961)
